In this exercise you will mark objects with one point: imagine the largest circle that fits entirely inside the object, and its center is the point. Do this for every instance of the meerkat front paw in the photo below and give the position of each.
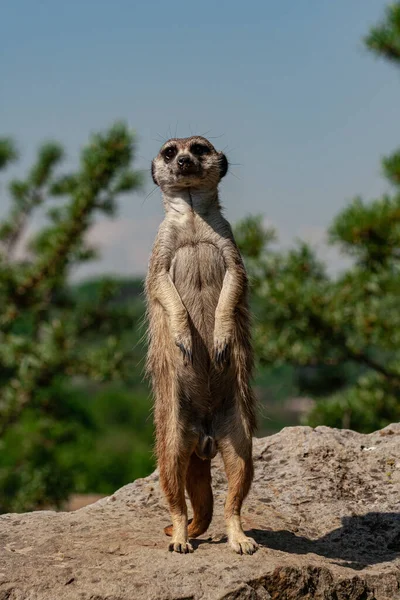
(222, 346)
(184, 343)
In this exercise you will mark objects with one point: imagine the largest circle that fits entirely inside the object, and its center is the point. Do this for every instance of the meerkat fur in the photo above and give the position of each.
(200, 355)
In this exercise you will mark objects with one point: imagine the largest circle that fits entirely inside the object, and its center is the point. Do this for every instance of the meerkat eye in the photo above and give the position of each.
(169, 153)
(200, 149)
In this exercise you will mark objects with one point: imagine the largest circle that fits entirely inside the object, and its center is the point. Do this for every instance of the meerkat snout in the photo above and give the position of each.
(189, 163)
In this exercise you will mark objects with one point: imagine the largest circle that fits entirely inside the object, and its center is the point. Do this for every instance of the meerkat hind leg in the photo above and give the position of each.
(173, 467)
(237, 458)
(180, 541)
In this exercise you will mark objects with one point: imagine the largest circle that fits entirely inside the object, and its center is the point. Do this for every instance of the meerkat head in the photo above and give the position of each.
(188, 163)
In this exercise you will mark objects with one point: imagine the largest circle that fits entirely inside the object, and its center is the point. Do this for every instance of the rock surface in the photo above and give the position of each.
(324, 508)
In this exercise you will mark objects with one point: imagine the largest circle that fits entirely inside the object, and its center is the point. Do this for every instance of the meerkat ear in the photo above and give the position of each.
(153, 172)
(223, 165)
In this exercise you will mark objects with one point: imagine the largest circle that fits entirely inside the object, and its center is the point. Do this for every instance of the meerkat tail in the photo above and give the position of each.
(198, 485)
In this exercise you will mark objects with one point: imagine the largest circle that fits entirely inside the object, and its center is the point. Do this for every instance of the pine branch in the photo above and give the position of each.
(28, 195)
(384, 39)
(391, 167)
(339, 339)
(104, 162)
(8, 152)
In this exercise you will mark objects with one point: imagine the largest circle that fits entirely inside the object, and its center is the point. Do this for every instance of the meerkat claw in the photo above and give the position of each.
(222, 356)
(187, 353)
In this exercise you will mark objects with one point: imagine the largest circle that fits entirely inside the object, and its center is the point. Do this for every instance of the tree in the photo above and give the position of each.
(49, 335)
(341, 334)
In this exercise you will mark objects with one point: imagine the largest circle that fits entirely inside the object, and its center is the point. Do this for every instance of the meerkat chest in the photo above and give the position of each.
(197, 261)
(197, 265)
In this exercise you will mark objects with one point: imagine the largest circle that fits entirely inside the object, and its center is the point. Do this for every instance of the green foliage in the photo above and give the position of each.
(334, 331)
(52, 336)
(341, 335)
(391, 167)
(118, 449)
(38, 466)
(370, 232)
(384, 39)
(99, 439)
(8, 152)
(372, 403)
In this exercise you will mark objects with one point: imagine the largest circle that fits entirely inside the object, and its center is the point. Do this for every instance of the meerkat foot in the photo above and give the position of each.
(242, 544)
(237, 539)
(181, 547)
(179, 542)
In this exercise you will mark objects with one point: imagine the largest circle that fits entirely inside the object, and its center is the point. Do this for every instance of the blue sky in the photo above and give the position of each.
(287, 87)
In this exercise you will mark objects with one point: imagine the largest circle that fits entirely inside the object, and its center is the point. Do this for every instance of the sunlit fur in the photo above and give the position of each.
(200, 355)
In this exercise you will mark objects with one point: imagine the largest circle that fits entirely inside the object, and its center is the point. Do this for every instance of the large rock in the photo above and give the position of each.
(324, 508)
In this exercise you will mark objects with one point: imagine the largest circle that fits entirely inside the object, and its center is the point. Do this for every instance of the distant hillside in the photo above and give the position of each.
(127, 289)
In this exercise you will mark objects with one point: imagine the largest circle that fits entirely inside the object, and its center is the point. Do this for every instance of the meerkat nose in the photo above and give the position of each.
(184, 160)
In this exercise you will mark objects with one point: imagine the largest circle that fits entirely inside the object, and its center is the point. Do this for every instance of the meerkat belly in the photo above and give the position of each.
(198, 273)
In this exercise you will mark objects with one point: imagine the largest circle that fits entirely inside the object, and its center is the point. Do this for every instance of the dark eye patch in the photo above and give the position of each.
(199, 149)
(169, 153)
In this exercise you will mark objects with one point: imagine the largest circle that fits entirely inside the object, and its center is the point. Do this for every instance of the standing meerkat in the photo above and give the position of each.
(200, 355)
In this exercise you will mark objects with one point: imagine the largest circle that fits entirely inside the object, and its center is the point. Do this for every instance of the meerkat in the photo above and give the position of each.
(200, 355)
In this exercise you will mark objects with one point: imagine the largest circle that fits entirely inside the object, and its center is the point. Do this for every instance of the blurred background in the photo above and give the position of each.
(304, 100)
